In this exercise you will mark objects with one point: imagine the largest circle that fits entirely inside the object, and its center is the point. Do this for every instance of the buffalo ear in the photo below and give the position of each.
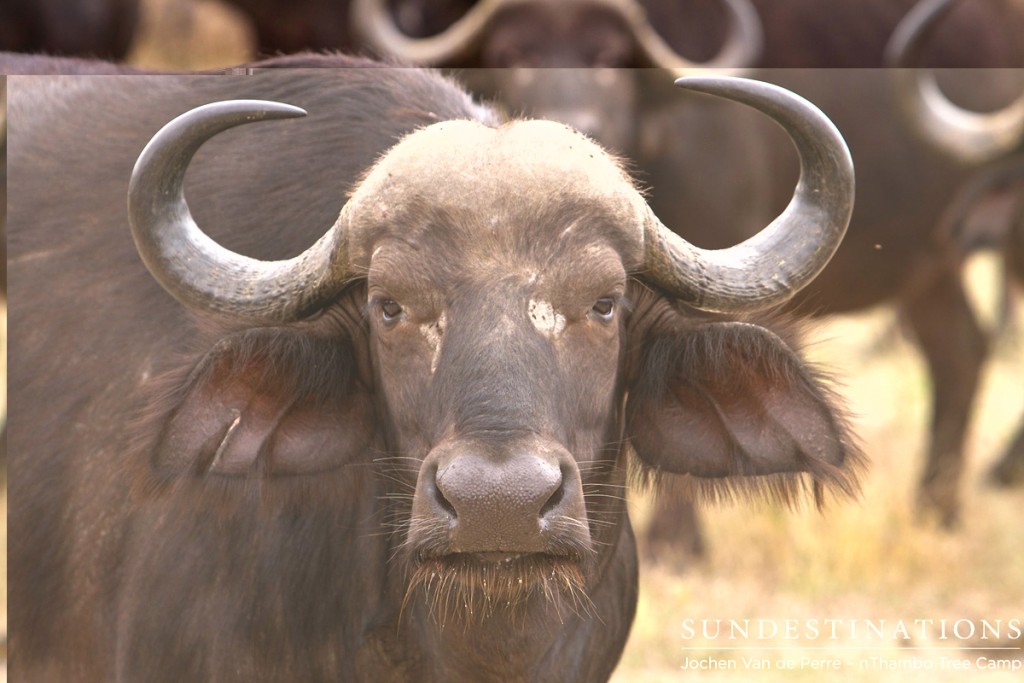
(271, 401)
(728, 404)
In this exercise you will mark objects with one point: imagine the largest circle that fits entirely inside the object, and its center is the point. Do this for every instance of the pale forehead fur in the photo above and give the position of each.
(466, 163)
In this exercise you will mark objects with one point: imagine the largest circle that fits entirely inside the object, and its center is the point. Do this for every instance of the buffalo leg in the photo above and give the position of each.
(1009, 470)
(955, 348)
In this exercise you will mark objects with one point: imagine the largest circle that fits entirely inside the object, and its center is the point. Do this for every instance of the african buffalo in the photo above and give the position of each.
(397, 454)
(991, 143)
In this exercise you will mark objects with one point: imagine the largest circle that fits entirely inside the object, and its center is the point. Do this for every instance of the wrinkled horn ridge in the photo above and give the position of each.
(373, 21)
(774, 264)
(192, 267)
(966, 135)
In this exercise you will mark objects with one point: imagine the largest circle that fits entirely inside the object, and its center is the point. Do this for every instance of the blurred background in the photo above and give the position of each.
(883, 557)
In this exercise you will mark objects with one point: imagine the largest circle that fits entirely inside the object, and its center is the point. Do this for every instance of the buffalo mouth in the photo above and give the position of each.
(467, 587)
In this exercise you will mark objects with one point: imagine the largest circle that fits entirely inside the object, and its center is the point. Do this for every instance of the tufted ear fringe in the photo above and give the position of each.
(790, 489)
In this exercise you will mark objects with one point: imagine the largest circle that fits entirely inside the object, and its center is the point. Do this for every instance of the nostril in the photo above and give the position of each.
(554, 500)
(437, 495)
(443, 502)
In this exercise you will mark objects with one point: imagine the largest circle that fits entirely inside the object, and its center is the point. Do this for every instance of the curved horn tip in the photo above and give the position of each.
(768, 268)
(711, 84)
(198, 125)
(247, 110)
(808, 126)
(184, 134)
(747, 91)
(181, 257)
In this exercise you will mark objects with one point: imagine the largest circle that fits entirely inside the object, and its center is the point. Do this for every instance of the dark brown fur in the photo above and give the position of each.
(96, 28)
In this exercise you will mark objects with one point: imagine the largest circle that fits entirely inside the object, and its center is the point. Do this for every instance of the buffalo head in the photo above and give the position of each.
(494, 316)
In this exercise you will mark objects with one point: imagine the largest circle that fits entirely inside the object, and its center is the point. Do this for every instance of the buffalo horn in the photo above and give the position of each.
(775, 263)
(969, 136)
(374, 22)
(196, 270)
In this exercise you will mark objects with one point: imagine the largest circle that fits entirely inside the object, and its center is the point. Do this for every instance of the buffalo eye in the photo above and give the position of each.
(390, 311)
(604, 309)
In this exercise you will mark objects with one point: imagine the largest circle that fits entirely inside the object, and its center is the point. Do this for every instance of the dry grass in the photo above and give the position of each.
(869, 560)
